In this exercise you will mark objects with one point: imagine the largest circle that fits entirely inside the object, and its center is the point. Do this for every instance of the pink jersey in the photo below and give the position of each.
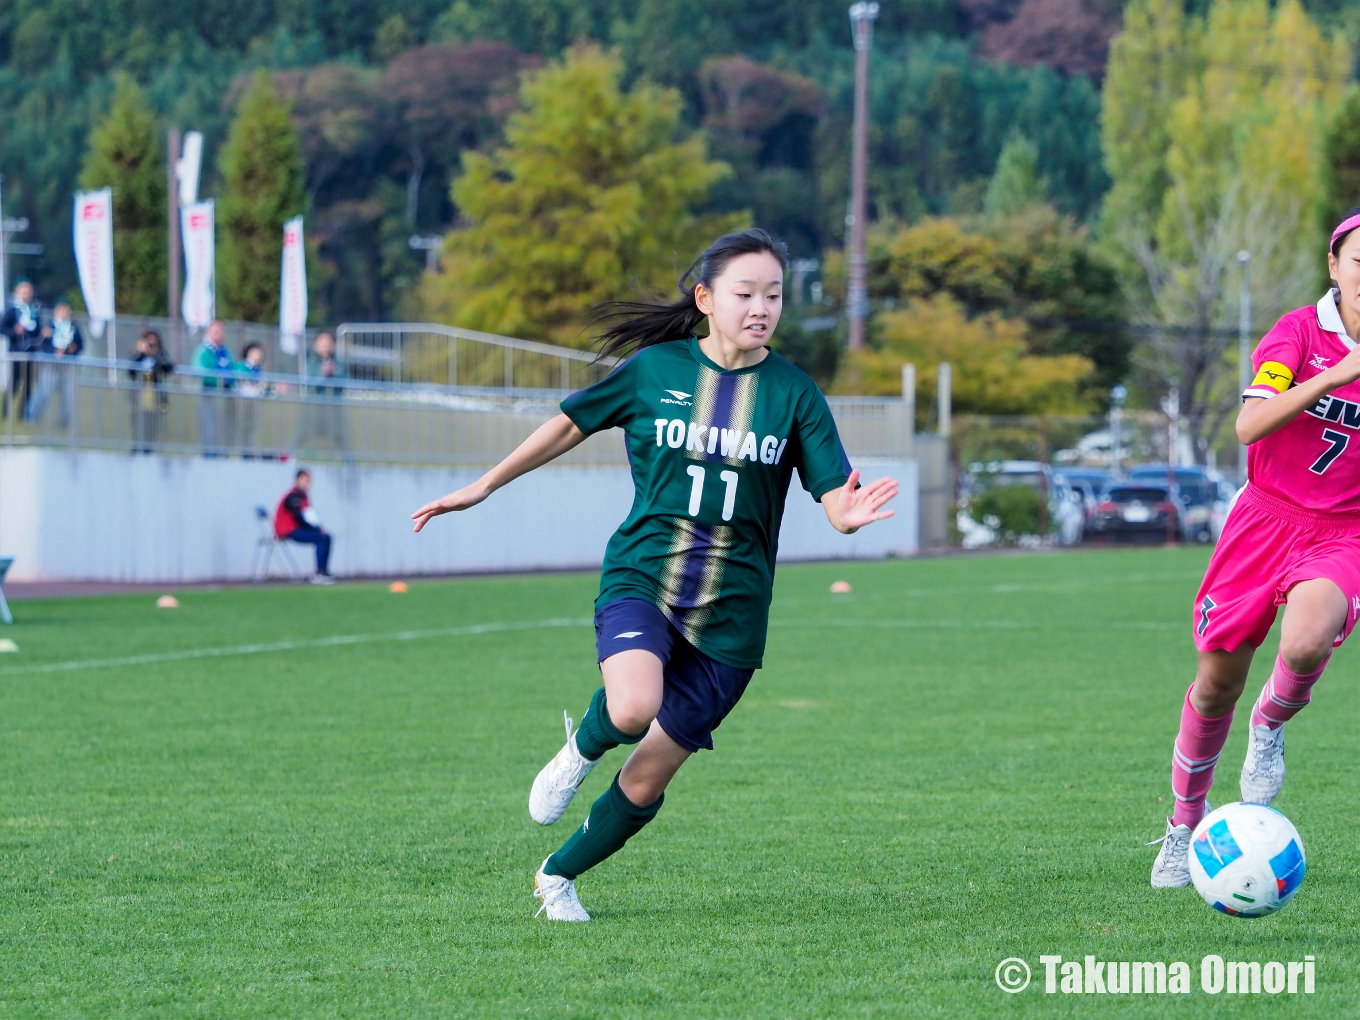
(1308, 463)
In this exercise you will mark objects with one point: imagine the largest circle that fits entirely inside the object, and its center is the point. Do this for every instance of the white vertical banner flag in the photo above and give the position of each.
(199, 306)
(187, 168)
(292, 288)
(93, 238)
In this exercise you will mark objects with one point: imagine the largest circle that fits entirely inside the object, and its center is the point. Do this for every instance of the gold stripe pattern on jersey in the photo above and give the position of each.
(696, 559)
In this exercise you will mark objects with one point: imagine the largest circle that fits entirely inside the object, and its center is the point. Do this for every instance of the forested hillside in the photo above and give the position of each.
(1058, 188)
(387, 96)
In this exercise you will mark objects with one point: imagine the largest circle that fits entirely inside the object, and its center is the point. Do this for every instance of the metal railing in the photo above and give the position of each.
(413, 353)
(426, 352)
(92, 403)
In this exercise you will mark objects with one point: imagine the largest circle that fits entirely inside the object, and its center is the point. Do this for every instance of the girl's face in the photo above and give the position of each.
(1345, 270)
(744, 303)
(254, 356)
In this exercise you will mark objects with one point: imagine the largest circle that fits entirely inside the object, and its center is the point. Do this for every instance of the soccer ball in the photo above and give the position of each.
(1246, 860)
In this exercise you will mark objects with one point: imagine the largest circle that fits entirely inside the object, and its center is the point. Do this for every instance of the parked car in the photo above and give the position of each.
(1199, 497)
(1089, 484)
(1143, 509)
(1066, 512)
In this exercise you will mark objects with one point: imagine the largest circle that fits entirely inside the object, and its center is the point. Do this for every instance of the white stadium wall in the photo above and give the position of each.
(67, 516)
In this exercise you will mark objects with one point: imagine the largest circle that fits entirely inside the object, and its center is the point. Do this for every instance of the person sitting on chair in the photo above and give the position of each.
(296, 521)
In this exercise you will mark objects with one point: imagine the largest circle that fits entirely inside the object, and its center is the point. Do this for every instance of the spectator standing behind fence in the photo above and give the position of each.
(322, 414)
(61, 340)
(214, 417)
(22, 326)
(249, 388)
(296, 521)
(151, 367)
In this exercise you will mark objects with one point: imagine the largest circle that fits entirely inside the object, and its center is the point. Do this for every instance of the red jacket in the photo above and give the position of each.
(288, 514)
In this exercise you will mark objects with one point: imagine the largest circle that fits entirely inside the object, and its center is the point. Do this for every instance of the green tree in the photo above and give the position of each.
(125, 154)
(1340, 167)
(1016, 184)
(1212, 128)
(262, 187)
(393, 37)
(593, 195)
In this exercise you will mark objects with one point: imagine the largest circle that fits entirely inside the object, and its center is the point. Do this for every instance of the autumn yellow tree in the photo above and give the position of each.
(1212, 131)
(592, 197)
(1014, 286)
(993, 369)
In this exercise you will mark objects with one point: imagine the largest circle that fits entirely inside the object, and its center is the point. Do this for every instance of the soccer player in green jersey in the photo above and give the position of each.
(715, 427)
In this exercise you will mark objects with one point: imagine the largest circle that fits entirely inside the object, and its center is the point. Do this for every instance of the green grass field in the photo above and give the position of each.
(959, 762)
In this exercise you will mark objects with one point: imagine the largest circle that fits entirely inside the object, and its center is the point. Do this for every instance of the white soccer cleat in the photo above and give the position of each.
(559, 897)
(1172, 867)
(1263, 769)
(557, 783)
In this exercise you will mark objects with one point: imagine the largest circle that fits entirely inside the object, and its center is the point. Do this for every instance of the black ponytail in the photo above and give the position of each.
(638, 324)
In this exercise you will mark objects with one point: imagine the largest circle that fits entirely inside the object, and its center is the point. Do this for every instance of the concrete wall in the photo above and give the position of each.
(113, 517)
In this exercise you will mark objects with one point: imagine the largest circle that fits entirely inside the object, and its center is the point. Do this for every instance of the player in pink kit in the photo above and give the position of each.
(1292, 539)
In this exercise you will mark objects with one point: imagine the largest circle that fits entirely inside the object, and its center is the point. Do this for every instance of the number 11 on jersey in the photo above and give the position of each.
(696, 491)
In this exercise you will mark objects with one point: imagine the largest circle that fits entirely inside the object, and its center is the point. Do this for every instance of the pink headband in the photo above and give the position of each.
(1346, 227)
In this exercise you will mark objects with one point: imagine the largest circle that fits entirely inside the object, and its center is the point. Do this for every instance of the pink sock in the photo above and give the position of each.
(1284, 695)
(1198, 745)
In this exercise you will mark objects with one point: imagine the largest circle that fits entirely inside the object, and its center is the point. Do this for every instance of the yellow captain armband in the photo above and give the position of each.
(1272, 378)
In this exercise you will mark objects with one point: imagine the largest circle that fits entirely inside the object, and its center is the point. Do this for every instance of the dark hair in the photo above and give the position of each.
(151, 334)
(639, 324)
(300, 473)
(252, 346)
(1352, 211)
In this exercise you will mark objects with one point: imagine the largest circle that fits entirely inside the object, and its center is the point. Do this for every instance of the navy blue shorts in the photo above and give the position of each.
(699, 691)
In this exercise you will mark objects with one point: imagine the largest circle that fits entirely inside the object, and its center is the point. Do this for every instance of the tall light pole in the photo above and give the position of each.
(1244, 345)
(431, 245)
(862, 17)
(1117, 397)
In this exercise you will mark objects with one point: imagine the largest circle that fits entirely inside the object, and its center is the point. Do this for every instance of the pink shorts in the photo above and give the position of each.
(1266, 548)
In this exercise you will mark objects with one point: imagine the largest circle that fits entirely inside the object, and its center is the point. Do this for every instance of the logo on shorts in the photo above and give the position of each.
(1204, 608)
(628, 634)
(680, 396)
(1355, 606)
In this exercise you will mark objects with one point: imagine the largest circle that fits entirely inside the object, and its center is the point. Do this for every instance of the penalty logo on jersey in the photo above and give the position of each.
(1204, 608)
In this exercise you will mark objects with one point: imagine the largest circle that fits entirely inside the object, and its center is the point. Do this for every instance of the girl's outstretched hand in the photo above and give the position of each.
(465, 497)
(860, 506)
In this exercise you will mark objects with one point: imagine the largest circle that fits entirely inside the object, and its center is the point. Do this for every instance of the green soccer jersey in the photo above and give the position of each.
(712, 453)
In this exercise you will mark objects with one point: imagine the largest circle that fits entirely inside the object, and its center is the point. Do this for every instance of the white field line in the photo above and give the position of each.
(1015, 588)
(265, 648)
(496, 628)
(977, 623)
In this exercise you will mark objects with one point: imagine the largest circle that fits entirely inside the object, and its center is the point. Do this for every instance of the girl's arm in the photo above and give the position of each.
(1260, 416)
(549, 441)
(850, 508)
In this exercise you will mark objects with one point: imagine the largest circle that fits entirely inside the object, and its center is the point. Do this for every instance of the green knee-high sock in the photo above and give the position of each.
(612, 820)
(598, 733)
